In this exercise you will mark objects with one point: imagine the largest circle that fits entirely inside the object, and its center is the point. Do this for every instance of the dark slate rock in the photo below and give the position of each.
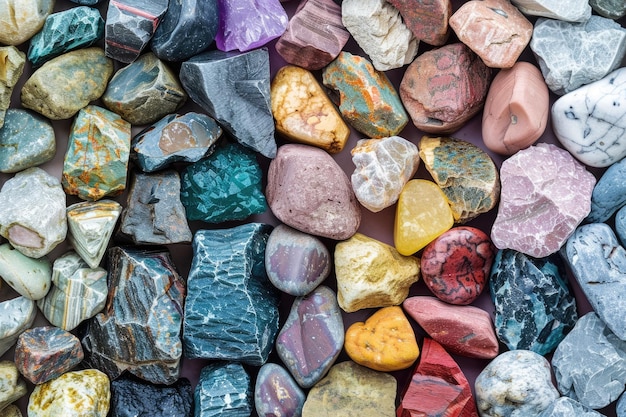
(620, 225)
(609, 194)
(276, 393)
(224, 390)
(231, 310)
(26, 140)
(132, 398)
(534, 306)
(566, 407)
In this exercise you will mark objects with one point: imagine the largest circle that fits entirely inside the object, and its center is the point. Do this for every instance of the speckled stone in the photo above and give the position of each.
(428, 21)
(132, 398)
(30, 277)
(12, 62)
(12, 386)
(26, 140)
(566, 407)
(18, 314)
(224, 390)
(20, 20)
(276, 393)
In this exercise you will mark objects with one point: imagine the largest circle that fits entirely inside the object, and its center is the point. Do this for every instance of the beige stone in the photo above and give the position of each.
(12, 386)
(21, 19)
(11, 411)
(11, 68)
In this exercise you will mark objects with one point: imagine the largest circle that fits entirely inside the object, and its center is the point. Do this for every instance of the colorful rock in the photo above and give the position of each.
(276, 393)
(130, 397)
(26, 140)
(20, 20)
(12, 62)
(30, 277)
(18, 314)
(565, 406)
(569, 11)
(12, 386)
(428, 21)
(613, 9)
(224, 389)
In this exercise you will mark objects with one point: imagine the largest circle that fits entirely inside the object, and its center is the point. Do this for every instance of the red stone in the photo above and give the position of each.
(428, 21)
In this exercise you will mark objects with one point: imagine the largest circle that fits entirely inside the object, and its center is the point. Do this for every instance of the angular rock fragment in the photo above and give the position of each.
(12, 62)
(224, 389)
(428, 21)
(130, 397)
(12, 386)
(20, 20)
(569, 11)
(276, 393)
(26, 140)
(17, 315)
(28, 276)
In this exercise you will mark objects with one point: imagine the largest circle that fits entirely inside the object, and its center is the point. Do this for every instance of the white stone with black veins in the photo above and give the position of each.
(567, 10)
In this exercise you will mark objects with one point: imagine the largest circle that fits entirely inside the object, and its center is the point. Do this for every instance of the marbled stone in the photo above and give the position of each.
(45, 353)
(12, 62)
(378, 29)
(465, 173)
(372, 274)
(10, 411)
(32, 212)
(445, 87)
(96, 160)
(517, 383)
(67, 83)
(78, 27)
(30, 277)
(231, 310)
(566, 407)
(569, 11)
(144, 91)
(12, 386)
(545, 195)
(312, 337)
(145, 305)
(609, 194)
(613, 9)
(296, 262)
(588, 51)
(26, 140)
(534, 308)
(18, 314)
(382, 168)
(276, 393)
(20, 19)
(224, 389)
(308, 190)
(234, 89)
(428, 21)
(132, 398)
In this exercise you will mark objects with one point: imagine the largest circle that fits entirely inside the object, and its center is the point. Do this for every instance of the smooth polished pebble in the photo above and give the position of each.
(30, 277)
(609, 194)
(613, 9)
(276, 393)
(18, 314)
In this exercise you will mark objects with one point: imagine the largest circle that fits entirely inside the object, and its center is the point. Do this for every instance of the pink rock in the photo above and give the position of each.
(545, 195)
(427, 20)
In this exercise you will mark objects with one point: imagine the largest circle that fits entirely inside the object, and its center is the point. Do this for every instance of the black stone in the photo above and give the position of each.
(224, 390)
(132, 398)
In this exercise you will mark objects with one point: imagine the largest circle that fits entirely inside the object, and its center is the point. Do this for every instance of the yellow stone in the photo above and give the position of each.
(422, 214)
(304, 113)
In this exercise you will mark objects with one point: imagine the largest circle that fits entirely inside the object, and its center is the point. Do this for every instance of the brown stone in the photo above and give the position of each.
(427, 20)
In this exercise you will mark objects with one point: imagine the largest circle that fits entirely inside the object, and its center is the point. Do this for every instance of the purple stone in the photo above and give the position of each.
(276, 393)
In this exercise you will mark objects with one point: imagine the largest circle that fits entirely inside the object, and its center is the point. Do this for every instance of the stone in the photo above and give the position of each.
(428, 21)
(20, 20)
(565, 406)
(130, 398)
(12, 387)
(588, 51)
(26, 140)
(456, 265)
(304, 113)
(534, 306)
(187, 28)
(96, 160)
(465, 173)
(588, 122)
(18, 314)
(516, 109)
(30, 277)
(84, 393)
(608, 195)
(349, 390)
(32, 212)
(227, 283)
(620, 225)
(372, 274)
(10, 411)
(378, 29)
(445, 87)
(67, 83)
(314, 36)
(144, 91)
(422, 214)
(546, 177)
(570, 11)
(224, 389)
(224, 186)
(613, 9)
(620, 407)
(312, 337)
(78, 293)
(75, 28)
(45, 353)
(516, 383)
(154, 214)
(296, 262)
(12, 62)
(145, 304)
(86, 2)
(308, 190)
(234, 89)
(461, 330)
(382, 168)
(276, 393)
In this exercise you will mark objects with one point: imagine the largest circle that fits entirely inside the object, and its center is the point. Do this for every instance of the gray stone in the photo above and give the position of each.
(11, 411)
(16, 315)
(569, 11)
(566, 407)
(620, 225)
(12, 386)
(30, 277)
(12, 62)
(26, 140)
(609, 194)
(613, 9)
(276, 393)
(132, 398)
(620, 407)
(224, 390)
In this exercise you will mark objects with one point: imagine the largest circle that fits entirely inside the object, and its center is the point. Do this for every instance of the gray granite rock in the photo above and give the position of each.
(16, 315)
(566, 407)
(620, 225)
(224, 390)
(609, 194)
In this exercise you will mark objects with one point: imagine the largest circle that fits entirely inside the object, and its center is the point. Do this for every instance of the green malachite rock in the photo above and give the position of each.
(225, 186)
(26, 140)
(97, 154)
(12, 62)
(65, 31)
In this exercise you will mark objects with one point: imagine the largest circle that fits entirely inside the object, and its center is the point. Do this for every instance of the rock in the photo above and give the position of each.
(465, 173)
(378, 29)
(308, 190)
(11, 411)
(304, 113)
(32, 212)
(461, 330)
(383, 167)
(456, 265)
(621, 406)
(145, 304)
(587, 51)
(130, 398)
(224, 389)
(613, 9)
(428, 21)
(372, 274)
(609, 194)
(312, 337)
(26, 140)
(20, 20)
(96, 160)
(296, 262)
(444, 88)
(620, 225)
(534, 307)
(12, 62)
(227, 282)
(565, 407)
(18, 314)
(276, 393)
(234, 89)
(67, 83)
(547, 177)
(29, 277)
(516, 383)
(569, 11)
(12, 387)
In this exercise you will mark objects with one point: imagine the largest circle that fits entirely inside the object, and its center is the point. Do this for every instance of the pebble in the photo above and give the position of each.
(620, 225)
(428, 21)
(224, 389)
(566, 407)
(276, 393)
(132, 398)
(21, 19)
(18, 314)
(609, 194)
(26, 140)
(621, 406)
(12, 62)
(372, 274)
(12, 386)
(613, 9)
(10, 411)
(30, 277)
(569, 11)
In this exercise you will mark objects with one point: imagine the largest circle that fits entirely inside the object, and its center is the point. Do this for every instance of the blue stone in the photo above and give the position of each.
(224, 390)
(534, 308)
(131, 398)
(231, 310)
(609, 194)
(620, 407)
(567, 407)
(620, 225)
(86, 2)
(26, 140)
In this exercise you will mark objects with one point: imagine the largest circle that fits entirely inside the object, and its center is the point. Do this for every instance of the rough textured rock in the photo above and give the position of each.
(131, 398)
(26, 140)
(609, 194)
(12, 386)
(613, 9)
(20, 20)
(18, 314)
(569, 11)
(28, 276)
(276, 393)
(224, 389)
(565, 407)
(12, 62)
(428, 21)
(10, 411)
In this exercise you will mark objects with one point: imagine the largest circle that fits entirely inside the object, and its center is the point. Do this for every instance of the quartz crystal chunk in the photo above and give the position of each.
(12, 62)
(569, 11)
(21, 19)
(29, 277)
(276, 393)
(224, 389)
(16, 316)
(26, 140)
(12, 387)
(131, 398)
(427, 20)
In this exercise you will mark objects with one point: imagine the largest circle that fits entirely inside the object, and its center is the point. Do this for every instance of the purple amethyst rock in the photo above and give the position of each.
(276, 393)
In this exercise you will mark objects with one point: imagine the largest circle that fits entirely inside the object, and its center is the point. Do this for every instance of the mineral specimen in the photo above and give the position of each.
(569, 11)
(132, 398)
(12, 386)
(26, 140)
(224, 390)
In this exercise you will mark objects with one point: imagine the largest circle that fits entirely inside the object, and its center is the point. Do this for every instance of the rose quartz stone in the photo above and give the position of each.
(516, 109)
(428, 20)
(308, 190)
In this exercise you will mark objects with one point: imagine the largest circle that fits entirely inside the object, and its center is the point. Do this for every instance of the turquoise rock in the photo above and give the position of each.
(96, 161)
(65, 31)
(26, 140)
(225, 186)
(12, 62)
(224, 390)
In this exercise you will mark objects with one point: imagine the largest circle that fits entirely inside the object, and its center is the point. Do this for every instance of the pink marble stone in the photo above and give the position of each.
(428, 20)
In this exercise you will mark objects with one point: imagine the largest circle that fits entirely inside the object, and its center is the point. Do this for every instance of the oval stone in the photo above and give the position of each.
(16, 315)
(26, 140)
(276, 393)
(30, 277)
(21, 19)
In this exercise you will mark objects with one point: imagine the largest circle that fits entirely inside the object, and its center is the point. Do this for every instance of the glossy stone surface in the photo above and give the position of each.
(20, 20)
(12, 62)
(131, 398)
(276, 393)
(18, 314)
(613, 9)
(609, 194)
(224, 389)
(28, 276)
(12, 386)
(26, 140)
(227, 282)
(565, 407)
(428, 21)
(569, 11)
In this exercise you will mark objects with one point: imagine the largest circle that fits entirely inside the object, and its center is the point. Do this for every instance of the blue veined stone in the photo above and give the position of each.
(26, 140)
(65, 31)
(534, 306)
(231, 310)
(130, 398)
(224, 390)
(567, 407)
(609, 194)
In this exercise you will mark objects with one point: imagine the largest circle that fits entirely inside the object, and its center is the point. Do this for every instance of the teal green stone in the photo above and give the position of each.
(65, 31)
(225, 186)
(26, 140)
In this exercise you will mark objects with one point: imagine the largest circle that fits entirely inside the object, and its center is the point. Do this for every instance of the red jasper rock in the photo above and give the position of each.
(427, 20)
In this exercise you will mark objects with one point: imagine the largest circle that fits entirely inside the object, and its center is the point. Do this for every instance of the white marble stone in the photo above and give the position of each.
(16, 315)
(567, 10)
(29, 277)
